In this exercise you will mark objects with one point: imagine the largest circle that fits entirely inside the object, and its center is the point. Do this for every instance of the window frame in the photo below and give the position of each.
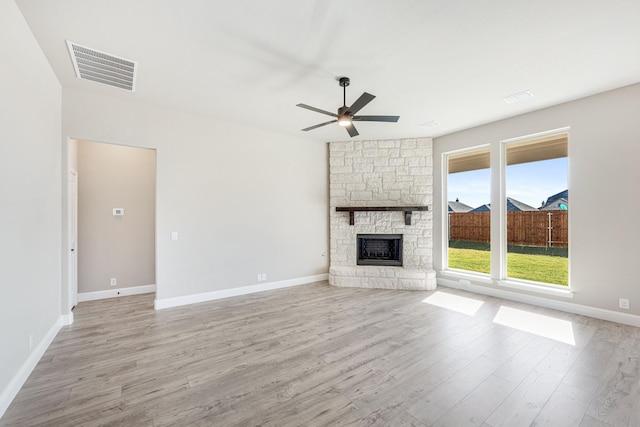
(498, 241)
(445, 204)
(503, 279)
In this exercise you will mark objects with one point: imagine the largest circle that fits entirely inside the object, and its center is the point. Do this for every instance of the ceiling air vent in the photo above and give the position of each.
(91, 64)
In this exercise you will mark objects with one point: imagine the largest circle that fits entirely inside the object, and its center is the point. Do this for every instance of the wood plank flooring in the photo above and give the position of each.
(316, 355)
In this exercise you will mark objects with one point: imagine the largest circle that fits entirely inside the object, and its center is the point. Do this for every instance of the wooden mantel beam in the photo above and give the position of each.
(408, 210)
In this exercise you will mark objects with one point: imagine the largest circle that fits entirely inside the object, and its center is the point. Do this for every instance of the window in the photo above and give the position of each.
(537, 200)
(468, 195)
(528, 244)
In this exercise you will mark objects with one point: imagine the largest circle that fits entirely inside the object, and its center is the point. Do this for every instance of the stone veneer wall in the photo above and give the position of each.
(382, 173)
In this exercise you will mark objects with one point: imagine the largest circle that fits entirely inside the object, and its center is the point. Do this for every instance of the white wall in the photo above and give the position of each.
(244, 201)
(121, 247)
(30, 192)
(604, 149)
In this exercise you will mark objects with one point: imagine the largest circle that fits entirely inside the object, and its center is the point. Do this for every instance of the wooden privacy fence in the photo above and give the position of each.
(524, 228)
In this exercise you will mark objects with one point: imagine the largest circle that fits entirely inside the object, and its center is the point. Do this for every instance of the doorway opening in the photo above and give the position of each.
(111, 223)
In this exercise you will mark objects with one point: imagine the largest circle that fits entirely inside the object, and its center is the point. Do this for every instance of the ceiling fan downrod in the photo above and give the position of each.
(344, 82)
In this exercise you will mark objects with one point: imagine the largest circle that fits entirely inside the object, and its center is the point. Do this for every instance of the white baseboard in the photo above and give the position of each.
(114, 293)
(233, 292)
(18, 380)
(583, 310)
(67, 319)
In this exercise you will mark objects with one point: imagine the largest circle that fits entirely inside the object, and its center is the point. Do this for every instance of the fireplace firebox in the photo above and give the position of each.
(380, 249)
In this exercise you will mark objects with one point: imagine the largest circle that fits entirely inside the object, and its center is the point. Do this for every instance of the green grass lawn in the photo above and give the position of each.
(539, 268)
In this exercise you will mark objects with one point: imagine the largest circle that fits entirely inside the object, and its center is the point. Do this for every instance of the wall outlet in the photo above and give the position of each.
(264, 276)
(259, 277)
(624, 303)
(114, 281)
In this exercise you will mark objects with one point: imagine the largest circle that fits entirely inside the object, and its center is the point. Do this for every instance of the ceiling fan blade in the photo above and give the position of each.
(321, 124)
(352, 130)
(317, 110)
(364, 99)
(376, 118)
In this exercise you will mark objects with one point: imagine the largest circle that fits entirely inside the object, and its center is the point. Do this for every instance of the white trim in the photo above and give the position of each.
(583, 310)
(233, 292)
(72, 285)
(444, 182)
(465, 278)
(464, 275)
(20, 377)
(444, 211)
(67, 319)
(114, 293)
(542, 289)
(499, 250)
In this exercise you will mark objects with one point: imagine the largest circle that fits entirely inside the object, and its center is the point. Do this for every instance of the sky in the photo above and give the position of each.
(531, 183)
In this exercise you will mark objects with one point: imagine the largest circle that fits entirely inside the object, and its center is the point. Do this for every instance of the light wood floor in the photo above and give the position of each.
(316, 355)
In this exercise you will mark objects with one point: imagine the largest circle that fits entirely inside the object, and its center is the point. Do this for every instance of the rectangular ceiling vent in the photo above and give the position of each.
(91, 64)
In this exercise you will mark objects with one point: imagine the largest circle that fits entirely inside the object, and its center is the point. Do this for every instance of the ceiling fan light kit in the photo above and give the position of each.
(344, 121)
(346, 115)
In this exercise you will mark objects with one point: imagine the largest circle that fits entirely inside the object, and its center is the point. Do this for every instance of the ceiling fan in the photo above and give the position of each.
(346, 115)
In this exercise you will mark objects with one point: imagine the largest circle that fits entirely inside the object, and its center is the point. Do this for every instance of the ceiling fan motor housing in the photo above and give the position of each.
(344, 110)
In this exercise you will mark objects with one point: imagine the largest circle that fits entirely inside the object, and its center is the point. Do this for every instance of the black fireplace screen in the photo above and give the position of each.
(380, 249)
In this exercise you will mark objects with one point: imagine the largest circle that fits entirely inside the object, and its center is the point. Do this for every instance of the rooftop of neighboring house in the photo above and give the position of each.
(458, 206)
(561, 204)
(517, 205)
(483, 208)
(559, 201)
(512, 205)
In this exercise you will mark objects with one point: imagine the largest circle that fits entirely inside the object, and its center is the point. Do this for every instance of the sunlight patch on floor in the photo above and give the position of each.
(544, 326)
(452, 302)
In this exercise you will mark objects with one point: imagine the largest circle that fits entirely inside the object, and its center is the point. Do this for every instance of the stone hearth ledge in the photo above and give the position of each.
(382, 278)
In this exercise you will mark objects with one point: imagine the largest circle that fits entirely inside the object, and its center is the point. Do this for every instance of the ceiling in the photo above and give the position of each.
(252, 61)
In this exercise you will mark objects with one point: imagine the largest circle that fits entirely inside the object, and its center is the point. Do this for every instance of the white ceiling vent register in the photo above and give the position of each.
(91, 64)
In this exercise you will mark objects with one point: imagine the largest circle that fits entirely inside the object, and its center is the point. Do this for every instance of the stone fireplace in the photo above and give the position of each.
(384, 176)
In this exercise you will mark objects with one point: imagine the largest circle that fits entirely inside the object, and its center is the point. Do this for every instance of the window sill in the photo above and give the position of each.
(468, 278)
(541, 289)
(466, 275)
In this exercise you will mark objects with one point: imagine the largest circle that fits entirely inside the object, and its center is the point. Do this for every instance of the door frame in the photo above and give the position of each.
(72, 228)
